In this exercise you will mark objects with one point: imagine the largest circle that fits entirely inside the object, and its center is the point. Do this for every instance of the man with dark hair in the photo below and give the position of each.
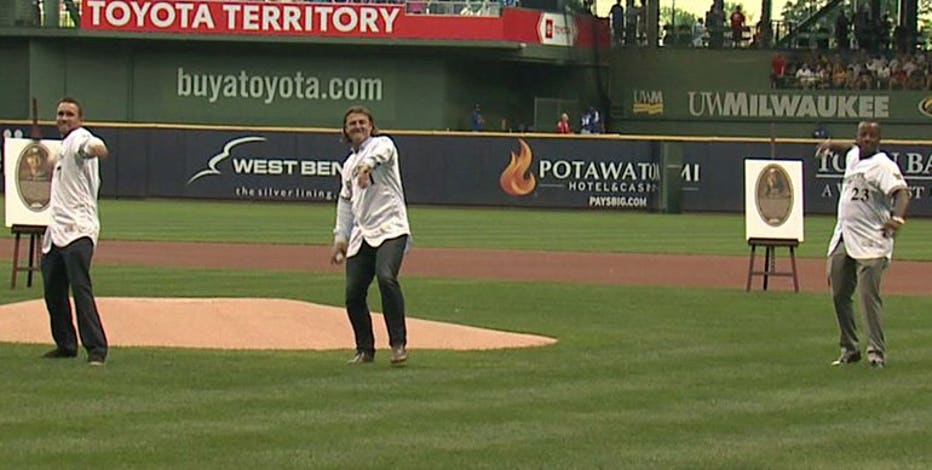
(68, 244)
(371, 233)
(617, 15)
(476, 121)
(841, 30)
(736, 22)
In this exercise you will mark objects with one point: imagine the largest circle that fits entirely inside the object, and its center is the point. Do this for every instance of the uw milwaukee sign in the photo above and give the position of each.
(777, 105)
(770, 105)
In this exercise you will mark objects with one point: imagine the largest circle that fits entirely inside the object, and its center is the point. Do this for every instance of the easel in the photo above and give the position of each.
(35, 235)
(770, 260)
(35, 231)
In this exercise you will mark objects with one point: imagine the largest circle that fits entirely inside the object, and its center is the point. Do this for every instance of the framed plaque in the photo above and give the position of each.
(27, 166)
(773, 201)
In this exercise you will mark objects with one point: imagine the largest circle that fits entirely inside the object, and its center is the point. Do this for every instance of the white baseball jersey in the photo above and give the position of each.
(75, 184)
(375, 213)
(865, 204)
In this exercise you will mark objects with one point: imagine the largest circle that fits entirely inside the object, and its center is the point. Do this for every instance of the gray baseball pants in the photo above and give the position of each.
(845, 275)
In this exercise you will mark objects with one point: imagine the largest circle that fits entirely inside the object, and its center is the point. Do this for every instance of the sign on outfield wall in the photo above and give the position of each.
(531, 172)
(339, 20)
(776, 105)
(513, 170)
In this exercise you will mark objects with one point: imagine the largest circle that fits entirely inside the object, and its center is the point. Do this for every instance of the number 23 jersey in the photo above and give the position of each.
(865, 203)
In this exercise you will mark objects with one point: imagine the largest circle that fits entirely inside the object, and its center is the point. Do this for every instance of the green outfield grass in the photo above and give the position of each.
(521, 229)
(640, 378)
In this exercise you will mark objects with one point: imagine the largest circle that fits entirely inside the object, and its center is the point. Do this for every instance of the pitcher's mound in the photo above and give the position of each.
(247, 324)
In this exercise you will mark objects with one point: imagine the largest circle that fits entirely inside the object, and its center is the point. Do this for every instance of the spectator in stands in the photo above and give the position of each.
(417, 7)
(777, 71)
(898, 77)
(806, 77)
(883, 32)
(762, 35)
(700, 35)
(875, 63)
(839, 75)
(737, 26)
(862, 29)
(789, 80)
(631, 23)
(823, 74)
(882, 76)
(865, 79)
(841, 30)
(928, 75)
(915, 80)
(715, 23)
(591, 122)
(477, 122)
(642, 22)
(820, 132)
(563, 125)
(909, 64)
(617, 15)
(854, 68)
(903, 39)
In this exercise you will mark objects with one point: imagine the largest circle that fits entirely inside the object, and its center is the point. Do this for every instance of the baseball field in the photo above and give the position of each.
(662, 359)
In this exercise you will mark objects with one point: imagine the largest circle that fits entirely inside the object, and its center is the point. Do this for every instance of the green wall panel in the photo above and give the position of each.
(507, 91)
(47, 75)
(97, 75)
(284, 89)
(14, 75)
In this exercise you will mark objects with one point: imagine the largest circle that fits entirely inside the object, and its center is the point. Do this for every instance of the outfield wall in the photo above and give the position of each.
(512, 170)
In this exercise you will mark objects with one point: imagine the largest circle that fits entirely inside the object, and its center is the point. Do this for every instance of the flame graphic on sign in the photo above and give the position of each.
(517, 180)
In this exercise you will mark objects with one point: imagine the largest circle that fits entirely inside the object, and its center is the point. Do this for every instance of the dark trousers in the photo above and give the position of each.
(382, 263)
(70, 266)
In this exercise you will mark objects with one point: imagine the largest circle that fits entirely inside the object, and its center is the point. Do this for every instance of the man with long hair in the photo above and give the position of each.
(372, 233)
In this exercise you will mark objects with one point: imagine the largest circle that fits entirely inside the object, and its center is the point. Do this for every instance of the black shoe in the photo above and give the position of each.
(847, 358)
(96, 360)
(59, 354)
(361, 357)
(399, 355)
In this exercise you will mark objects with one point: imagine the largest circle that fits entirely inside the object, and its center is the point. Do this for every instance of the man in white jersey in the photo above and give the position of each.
(371, 233)
(871, 209)
(68, 244)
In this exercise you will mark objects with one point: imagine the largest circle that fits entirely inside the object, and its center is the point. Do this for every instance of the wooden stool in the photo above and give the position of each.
(35, 235)
(770, 260)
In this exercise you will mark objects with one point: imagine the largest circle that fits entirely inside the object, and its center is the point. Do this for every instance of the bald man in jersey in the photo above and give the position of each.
(871, 210)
